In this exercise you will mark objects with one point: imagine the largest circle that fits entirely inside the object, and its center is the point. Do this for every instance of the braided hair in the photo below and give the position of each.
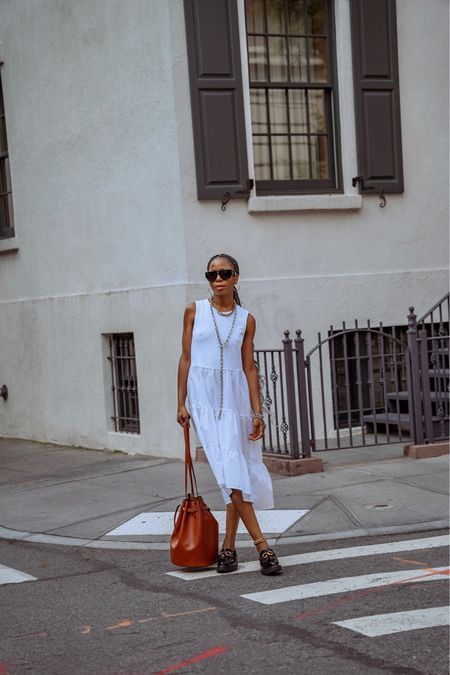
(235, 264)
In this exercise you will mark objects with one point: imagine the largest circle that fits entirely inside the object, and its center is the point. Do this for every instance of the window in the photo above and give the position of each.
(292, 92)
(124, 383)
(293, 99)
(6, 212)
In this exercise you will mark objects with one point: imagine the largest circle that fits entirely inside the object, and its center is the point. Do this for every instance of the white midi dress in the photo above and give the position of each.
(235, 460)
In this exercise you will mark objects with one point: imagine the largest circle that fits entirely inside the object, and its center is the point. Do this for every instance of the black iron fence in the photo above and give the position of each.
(358, 386)
(283, 393)
(429, 390)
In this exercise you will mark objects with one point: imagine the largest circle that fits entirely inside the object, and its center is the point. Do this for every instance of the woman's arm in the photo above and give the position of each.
(183, 416)
(251, 373)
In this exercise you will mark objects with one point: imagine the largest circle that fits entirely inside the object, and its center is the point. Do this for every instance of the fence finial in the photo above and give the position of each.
(412, 318)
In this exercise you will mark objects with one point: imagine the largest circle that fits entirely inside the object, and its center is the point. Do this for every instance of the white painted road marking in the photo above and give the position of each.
(333, 554)
(161, 522)
(8, 575)
(345, 585)
(398, 622)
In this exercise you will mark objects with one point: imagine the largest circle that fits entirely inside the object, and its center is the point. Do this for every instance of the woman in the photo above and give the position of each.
(217, 373)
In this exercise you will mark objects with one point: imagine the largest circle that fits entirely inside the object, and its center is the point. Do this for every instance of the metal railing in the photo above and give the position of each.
(429, 374)
(358, 386)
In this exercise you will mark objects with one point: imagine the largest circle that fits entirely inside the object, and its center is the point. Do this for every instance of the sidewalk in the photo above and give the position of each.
(63, 495)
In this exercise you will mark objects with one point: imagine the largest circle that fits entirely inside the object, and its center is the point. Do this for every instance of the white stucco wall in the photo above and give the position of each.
(112, 237)
(93, 144)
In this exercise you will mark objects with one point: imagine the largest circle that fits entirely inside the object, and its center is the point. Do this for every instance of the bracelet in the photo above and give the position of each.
(257, 416)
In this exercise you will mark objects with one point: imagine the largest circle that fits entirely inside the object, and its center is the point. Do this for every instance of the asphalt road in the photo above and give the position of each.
(109, 612)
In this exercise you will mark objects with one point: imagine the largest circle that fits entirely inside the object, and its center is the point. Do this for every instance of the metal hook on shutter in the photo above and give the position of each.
(225, 200)
(227, 196)
(363, 186)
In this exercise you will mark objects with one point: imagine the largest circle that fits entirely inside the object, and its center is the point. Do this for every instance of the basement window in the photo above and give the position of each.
(124, 387)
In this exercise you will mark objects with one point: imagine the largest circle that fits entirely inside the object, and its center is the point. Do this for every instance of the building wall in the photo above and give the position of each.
(112, 237)
(311, 268)
(93, 144)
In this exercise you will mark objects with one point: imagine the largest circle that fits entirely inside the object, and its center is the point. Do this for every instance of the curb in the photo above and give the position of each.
(18, 535)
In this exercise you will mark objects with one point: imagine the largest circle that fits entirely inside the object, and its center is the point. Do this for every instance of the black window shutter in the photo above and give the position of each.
(212, 32)
(377, 97)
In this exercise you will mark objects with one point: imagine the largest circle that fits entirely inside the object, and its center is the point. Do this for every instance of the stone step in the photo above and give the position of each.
(403, 396)
(390, 418)
(439, 372)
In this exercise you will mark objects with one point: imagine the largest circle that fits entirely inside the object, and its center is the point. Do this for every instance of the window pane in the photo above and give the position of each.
(257, 58)
(255, 16)
(3, 144)
(297, 56)
(280, 157)
(317, 118)
(3, 183)
(278, 111)
(297, 111)
(291, 126)
(259, 111)
(261, 157)
(275, 16)
(315, 17)
(296, 17)
(318, 59)
(300, 157)
(4, 214)
(319, 156)
(278, 59)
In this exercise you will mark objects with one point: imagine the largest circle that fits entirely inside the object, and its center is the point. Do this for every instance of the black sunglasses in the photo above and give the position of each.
(223, 274)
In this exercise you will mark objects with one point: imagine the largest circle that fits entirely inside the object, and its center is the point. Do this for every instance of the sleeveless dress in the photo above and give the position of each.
(235, 460)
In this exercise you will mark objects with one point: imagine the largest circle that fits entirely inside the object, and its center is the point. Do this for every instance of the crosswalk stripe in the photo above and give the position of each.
(333, 554)
(344, 585)
(398, 622)
(9, 575)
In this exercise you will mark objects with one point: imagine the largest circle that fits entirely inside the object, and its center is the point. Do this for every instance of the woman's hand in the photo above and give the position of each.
(258, 429)
(183, 416)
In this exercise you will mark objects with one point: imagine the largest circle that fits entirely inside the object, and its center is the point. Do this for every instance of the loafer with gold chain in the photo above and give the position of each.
(269, 562)
(227, 561)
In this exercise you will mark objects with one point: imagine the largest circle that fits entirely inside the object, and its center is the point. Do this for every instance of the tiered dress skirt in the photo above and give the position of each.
(235, 460)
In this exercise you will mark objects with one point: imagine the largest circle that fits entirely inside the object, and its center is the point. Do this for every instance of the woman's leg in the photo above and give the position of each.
(231, 527)
(246, 512)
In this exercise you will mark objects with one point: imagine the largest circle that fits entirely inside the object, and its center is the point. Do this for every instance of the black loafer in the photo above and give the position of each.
(269, 562)
(227, 561)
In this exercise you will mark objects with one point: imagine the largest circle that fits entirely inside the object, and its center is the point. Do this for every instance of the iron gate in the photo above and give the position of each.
(428, 339)
(361, 398)
(358, 386)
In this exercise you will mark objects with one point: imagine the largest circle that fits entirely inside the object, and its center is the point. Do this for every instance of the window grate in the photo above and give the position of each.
(6, 211)
(124, 383)
(292, 95)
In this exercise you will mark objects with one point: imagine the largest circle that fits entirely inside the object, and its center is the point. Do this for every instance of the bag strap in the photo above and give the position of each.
(188, 466)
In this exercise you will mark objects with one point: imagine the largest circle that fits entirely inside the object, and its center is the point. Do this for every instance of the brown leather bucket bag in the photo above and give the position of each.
(195, 538)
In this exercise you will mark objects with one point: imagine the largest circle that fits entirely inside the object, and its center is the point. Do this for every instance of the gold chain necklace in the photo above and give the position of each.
(227, 312)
